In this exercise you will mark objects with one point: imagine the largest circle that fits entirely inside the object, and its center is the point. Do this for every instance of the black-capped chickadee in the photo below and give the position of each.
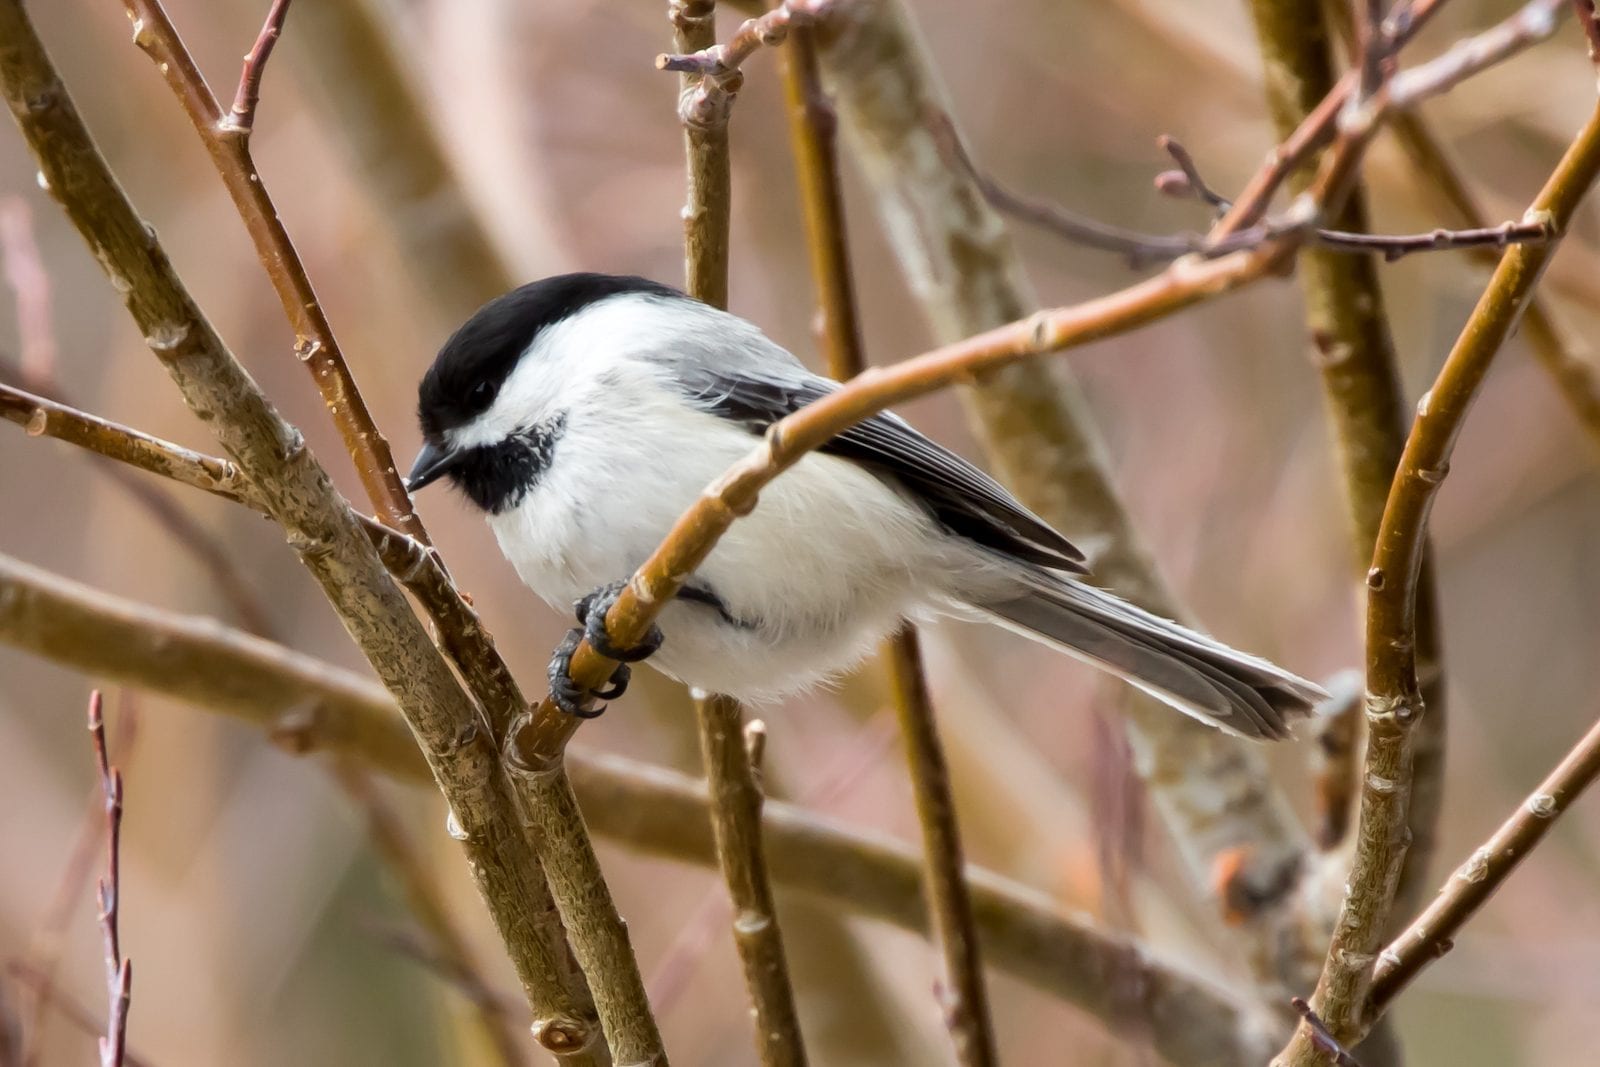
(584, 413)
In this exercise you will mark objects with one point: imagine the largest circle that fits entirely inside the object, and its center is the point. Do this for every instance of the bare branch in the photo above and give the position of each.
(1195, 1022)
(228, 142)
(242, 116)
(321, 527)
(1432, 933)
(1320, 1034)
(1394, 700)
(119, 970)
(1142, 249)
(73, 1010)
(964, 997)
(736, 802)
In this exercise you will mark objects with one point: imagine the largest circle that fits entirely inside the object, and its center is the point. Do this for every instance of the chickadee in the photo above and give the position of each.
(585, 412)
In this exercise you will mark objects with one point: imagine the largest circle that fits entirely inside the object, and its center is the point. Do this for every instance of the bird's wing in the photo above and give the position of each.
(962, 498)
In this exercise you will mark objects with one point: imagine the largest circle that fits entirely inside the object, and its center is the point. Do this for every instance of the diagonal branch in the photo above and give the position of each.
(312, 706)
(1394, 701)
(226, 136)
(320, 526)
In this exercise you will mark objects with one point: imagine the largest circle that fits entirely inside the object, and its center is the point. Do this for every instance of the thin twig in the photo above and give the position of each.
(708, 193)
(48, 940)
(40, 417)
(242, 116)
(812, 127)
(1394, 700)
(226, 136)
(713, 77)
(644, 807)
(736, 801)
(119, 969)
(1353, 351)
(1143, 249)
(736, 796)
(1433, 933)
(74, 1010)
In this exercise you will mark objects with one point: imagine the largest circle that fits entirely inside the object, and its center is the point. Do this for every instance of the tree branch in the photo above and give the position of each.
(1394, 701)
(119, 970)
(1433, 933)
(309, 706)
(812, 128)
(226, 136)
(321, 528)
(1354, 354)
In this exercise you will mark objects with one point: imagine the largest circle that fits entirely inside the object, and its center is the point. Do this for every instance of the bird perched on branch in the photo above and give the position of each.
(584, 413)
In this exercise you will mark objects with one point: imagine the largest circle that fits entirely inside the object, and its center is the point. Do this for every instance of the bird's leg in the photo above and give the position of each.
(591, 612)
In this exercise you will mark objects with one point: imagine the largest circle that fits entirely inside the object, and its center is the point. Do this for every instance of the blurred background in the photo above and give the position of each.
(262, 928)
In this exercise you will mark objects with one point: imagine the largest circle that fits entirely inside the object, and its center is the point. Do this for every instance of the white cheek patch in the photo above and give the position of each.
(569, 360)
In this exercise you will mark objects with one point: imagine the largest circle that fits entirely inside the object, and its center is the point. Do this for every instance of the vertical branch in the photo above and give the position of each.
(736, 801)
(119, 970)
(226, 136)
(1394, 697)
(709, 196)
(735, 792)
(963, 996)
(1354, 353)
(812, 127)
(1212, 791)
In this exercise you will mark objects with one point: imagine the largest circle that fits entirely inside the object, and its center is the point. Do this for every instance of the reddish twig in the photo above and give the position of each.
(119, 971)
(717, 66)
(227, 140)
(1142, 249)
(73, 1010)
(242, 116)
(44, 954)
(962, 990)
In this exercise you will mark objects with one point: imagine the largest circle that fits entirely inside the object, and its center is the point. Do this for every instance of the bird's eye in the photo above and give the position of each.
(481, 394)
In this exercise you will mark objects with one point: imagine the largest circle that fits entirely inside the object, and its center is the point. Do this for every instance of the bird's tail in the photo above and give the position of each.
(1201, 677)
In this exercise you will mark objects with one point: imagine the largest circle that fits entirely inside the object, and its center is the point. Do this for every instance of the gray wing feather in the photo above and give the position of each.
(962, 498)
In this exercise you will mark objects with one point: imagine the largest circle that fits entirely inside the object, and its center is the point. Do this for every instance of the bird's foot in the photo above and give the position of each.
(573, 698)
(592, 611)
(568, 695)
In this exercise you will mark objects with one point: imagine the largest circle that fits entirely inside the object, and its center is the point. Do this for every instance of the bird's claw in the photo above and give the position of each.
(592, 611)
(567, 694)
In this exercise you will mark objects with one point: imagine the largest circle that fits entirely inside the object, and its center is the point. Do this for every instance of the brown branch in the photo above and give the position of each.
(242, 116)
(425, 899)
(226, 136)
(1321, 1035)
(964, 997)
(704, 104)
(1143, 249)
(416, 566)
(1353, 351)
(1330, 118)
(1195, 1022)
(1432, 934)
(1394, 701)
(712, 74)
(730, 769)
(119, 969)
(736, 801)
(320, 526)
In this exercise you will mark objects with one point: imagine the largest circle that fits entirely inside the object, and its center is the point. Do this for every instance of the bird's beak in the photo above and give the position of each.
(433, 461)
